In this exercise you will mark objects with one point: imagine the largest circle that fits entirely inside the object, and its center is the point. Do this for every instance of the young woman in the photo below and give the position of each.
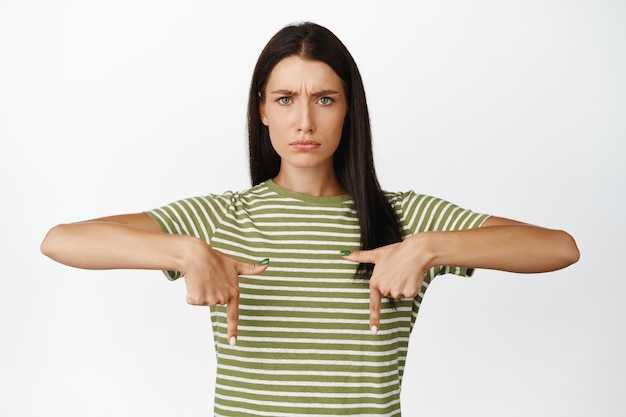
(314, 275)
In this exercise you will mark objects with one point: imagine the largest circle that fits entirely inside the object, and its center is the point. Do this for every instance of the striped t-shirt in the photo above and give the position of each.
(304, 347)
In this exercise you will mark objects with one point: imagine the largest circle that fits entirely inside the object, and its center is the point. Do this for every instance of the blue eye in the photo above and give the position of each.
(284, 100)
(325, 101)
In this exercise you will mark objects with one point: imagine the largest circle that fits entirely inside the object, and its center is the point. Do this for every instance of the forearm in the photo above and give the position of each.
(514, 248)
(107, 245)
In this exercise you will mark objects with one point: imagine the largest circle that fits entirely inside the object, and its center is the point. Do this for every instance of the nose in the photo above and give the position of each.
(305, 118)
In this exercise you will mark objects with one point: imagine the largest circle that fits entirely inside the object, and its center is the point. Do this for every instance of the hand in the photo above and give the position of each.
(399, 271)
(212, 278)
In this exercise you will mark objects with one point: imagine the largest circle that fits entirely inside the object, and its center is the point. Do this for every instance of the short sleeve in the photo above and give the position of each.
(422, 213)
(196, 216)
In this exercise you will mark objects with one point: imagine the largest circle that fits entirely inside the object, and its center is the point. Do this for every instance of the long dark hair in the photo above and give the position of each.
(353, 160)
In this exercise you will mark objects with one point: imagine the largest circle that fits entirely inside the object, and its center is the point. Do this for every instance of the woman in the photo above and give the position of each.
(306, 330)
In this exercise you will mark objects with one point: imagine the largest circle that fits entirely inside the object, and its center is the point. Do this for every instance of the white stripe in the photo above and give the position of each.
(303, 320)
(203, 202)
(285, 298)
(450, 218)
(302, 330)
(426, 203)
(285, 372)
(305, 394)
(310, 383)
(286, 250)
(310, 310)
(337, 214)
(309, 405)
(278, 210)
(314, 342)
(280, 289)
(291, 414)
(190, 207)
(180, 211)
(306, 225)
(281, 233)
(340, 283)
(328, 362)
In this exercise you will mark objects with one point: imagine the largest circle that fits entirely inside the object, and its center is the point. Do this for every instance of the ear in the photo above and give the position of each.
(262, 110)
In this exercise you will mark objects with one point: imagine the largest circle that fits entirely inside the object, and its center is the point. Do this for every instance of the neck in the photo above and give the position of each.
(309, 181)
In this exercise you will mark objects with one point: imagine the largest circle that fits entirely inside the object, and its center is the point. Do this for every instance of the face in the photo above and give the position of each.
(304, 109)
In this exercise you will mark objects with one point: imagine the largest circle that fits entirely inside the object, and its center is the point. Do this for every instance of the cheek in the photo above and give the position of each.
(338, 125)
(278, 136)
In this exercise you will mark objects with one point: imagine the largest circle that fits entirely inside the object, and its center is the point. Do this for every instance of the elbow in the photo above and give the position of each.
(569, 250)
(48, 246)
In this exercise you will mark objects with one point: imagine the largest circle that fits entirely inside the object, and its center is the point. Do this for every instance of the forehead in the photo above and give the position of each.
(295, 73)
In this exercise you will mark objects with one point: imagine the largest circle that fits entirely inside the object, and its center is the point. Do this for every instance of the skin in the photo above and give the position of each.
(500, 244)
(135, 241)
(304, 109)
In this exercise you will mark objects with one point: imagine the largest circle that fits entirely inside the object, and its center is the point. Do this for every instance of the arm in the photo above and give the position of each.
(130, 241)
(500, 244)
(135, 241)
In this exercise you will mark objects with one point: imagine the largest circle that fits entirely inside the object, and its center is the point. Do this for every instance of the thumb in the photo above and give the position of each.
(247, 268)
(362, 256)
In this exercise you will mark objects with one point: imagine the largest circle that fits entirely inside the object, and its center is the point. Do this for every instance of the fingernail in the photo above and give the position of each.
(374, 329)
(264, 261)
(232, 341)
(344, 252)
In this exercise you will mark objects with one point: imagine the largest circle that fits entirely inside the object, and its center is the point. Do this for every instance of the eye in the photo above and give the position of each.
(284, 100)
(325, 101)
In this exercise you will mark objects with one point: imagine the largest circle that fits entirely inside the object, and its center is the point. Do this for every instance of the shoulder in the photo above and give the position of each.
(405, 198)
(230, 198)
(426, 212)
(404, 201)
(412, 205)
(210, 205)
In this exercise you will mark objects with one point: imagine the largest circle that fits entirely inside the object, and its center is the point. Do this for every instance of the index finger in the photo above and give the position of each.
(232, 320)
(375, 300)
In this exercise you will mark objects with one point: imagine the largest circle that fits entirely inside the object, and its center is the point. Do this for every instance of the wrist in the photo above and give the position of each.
(429, 247)
(186, 250)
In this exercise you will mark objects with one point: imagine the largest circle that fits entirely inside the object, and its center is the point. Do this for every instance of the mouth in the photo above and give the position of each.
(305, 145)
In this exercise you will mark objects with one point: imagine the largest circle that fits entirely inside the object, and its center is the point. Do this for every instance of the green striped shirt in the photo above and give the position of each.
(304, 346)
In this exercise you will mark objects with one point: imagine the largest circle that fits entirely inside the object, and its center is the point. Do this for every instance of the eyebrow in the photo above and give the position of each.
(316, 94)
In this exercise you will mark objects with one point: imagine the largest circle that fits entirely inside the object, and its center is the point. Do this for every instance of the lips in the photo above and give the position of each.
(304, 145)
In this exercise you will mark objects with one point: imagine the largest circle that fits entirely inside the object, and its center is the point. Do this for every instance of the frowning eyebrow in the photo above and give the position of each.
(291, 93)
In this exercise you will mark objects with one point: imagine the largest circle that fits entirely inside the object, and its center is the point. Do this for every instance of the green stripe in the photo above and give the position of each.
(306, 316)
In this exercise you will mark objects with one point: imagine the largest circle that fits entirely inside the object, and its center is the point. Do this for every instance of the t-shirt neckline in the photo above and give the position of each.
(306, 197)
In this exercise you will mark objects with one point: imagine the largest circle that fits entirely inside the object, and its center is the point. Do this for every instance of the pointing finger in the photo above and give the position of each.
(375, 300)
(232, 320)
(246, 268)
(363, 256)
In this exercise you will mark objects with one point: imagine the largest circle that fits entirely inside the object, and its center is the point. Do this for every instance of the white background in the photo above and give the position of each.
(514, 108)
